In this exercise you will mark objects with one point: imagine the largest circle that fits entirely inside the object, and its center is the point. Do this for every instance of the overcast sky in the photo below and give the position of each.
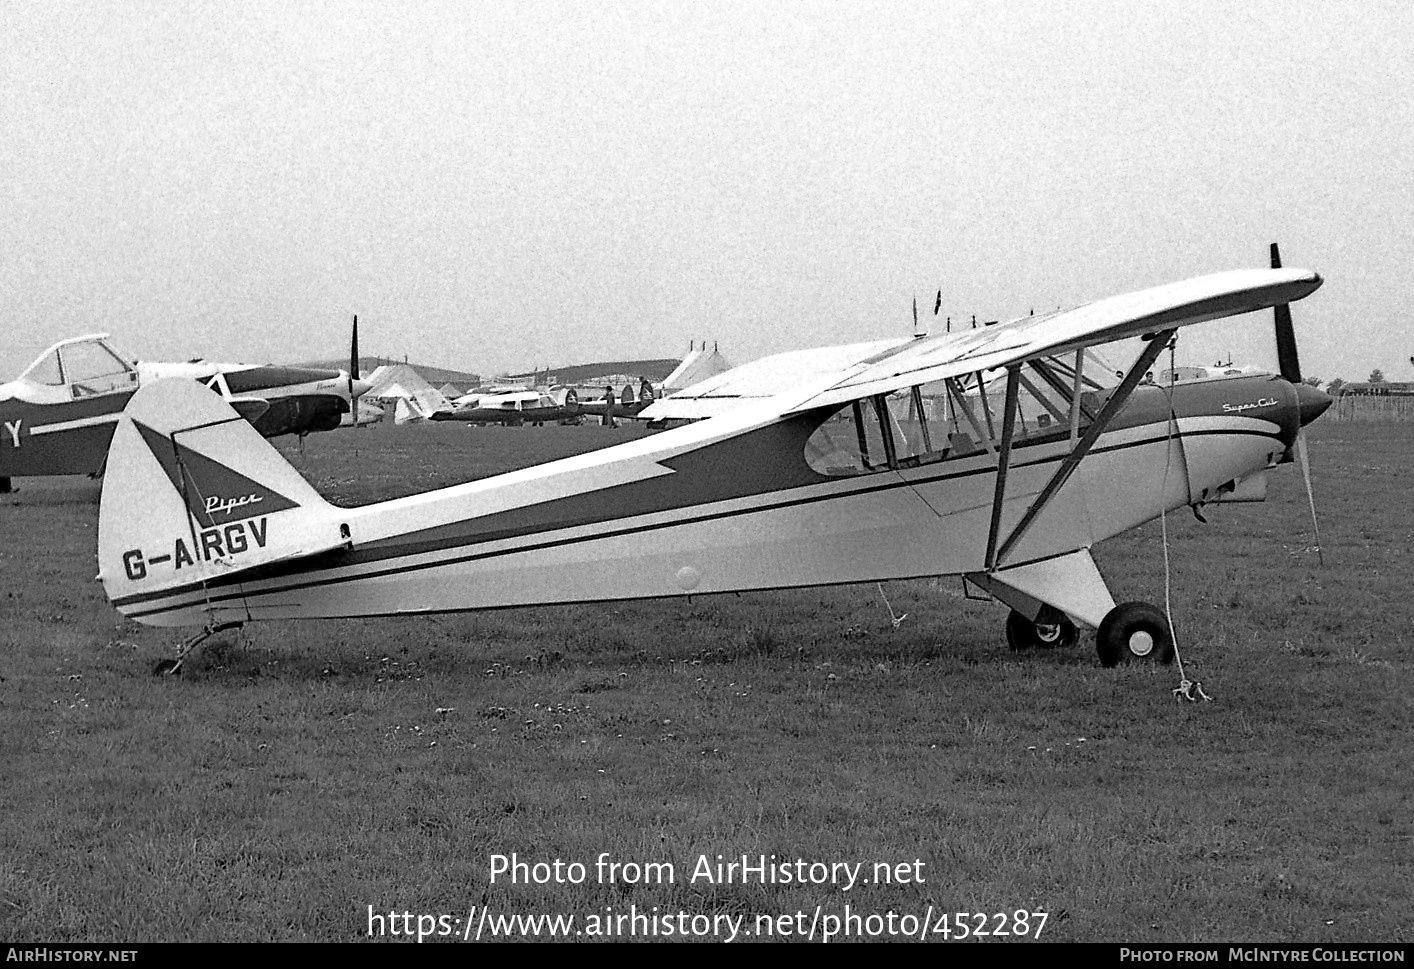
(502, 185)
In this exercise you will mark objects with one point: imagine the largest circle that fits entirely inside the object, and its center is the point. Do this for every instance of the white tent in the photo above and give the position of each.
(696, 367)
(412, 397)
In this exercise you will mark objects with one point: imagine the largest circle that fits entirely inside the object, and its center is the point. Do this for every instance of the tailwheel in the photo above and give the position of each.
(1134, 632)
(173, 667)
(1051, 629)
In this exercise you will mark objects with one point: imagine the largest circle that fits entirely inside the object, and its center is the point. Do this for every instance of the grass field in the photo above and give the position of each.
(299, 773)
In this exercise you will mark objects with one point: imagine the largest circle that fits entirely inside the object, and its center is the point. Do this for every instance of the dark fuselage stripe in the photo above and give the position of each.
(394, 554)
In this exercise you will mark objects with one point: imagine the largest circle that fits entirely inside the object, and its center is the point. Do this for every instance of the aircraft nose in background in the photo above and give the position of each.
(1311, 403)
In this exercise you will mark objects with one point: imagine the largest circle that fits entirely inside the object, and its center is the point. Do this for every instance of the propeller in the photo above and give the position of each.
(357, 386)
(1289, 364)
(354, 352)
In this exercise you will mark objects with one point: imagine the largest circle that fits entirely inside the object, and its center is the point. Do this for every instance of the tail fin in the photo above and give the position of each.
(193, 494)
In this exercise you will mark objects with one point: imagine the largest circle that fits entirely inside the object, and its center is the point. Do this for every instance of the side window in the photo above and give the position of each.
(921, 426)
(849, 442)
(959, 418)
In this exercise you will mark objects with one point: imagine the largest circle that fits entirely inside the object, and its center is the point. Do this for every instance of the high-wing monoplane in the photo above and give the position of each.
(58, 416)
(863, 463)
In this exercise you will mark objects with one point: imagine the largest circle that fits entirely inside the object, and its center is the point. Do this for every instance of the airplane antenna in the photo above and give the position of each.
(916, 331)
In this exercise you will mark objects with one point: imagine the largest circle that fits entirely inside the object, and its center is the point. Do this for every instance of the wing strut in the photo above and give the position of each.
(1013, 382)
(1077, 403)
(1082, 447)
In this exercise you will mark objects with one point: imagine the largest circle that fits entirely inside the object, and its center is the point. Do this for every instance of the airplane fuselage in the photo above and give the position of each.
(65, 428)
(732, 504)
(516, 408)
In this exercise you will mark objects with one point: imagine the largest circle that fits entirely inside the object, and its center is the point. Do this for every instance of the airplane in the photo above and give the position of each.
(58, 416)
(812, 482)
(608, 407)
(515, 407)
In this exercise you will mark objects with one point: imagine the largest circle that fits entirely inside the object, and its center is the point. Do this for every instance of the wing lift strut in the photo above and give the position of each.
(1026, 588)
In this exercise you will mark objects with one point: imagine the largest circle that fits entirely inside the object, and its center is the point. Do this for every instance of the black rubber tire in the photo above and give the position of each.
(1051, 629)
(1134, 632)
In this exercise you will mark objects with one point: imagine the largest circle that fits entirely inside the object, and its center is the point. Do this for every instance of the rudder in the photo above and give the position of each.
(193, 494)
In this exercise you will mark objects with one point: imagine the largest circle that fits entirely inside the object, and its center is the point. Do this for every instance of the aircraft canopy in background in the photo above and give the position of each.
(58, 415)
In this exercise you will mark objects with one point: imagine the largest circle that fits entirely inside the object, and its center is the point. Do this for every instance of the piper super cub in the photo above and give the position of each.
(848, 464)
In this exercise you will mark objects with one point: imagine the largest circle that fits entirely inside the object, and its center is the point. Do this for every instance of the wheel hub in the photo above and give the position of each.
(1141, 643)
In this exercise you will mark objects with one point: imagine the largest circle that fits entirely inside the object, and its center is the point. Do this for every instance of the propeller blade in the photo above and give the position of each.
(1310, 495)
(353, 351)
(1287, 361)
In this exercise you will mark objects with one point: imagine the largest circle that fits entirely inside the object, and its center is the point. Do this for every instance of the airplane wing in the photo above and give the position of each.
(762, 379)
(807, 379)
(1165, 307)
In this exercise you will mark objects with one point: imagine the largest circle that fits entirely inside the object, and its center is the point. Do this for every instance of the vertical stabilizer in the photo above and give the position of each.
(193, 494)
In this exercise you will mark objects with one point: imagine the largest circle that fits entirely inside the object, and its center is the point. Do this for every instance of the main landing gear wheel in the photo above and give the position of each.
(1051, 629)
(1134, 632)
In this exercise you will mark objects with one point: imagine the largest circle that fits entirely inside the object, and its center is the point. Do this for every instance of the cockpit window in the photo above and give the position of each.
(46, 371)
(954, 418)
(92, 369)
(849, 442)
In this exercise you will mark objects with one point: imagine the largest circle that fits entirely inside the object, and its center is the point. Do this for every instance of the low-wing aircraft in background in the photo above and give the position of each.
(515, 407)
(608, 407)
(844, 474)
(58, 416)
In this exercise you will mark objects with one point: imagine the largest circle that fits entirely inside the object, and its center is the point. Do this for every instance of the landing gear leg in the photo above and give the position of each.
(173, 667)
(1134, 632)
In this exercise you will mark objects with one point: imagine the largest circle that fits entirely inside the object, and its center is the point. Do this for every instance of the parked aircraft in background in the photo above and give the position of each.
(817, 480)
(608, 406)
(58, 416)
(514, 407)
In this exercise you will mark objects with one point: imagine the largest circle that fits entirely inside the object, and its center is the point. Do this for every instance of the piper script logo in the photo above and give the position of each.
(216, 505)
(1253, 405)
(215, 495)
